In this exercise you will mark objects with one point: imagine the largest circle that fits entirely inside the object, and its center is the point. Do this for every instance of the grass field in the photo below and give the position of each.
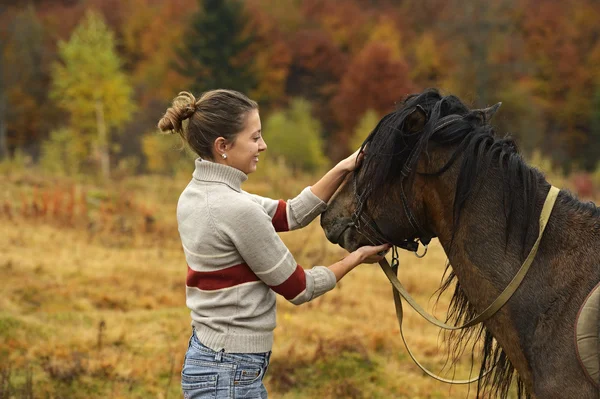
(92, 302)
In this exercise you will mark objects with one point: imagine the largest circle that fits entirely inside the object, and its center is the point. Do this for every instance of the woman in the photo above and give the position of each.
(236, 260)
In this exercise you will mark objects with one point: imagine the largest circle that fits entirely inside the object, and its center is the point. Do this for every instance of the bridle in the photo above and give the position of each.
(366, 226)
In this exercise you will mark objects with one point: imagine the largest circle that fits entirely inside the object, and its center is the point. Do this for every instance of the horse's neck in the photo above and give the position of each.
(485, 261)
(482, 251)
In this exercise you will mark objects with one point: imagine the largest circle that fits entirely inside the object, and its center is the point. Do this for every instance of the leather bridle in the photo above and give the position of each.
(365, 225)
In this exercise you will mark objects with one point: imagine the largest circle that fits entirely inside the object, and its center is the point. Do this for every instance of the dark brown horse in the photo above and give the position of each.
(434, 168)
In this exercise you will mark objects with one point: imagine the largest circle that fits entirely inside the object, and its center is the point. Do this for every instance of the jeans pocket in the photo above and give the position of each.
(248, 382)
(198, 382)
(248, 374)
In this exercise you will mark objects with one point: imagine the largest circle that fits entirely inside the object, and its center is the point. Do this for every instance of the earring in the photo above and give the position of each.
(224, 156)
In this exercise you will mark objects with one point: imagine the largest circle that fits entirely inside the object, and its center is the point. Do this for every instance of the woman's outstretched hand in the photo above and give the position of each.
(370, 253)
(366, 254)
(353, 161)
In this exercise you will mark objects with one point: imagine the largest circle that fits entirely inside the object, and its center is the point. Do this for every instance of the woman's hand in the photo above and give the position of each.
(370, 254)
(352, 162)
(328, 184)
(366, 254)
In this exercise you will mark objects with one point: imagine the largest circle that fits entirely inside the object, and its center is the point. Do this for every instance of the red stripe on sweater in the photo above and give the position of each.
(219, 279)
(280, 218)
(295, 284)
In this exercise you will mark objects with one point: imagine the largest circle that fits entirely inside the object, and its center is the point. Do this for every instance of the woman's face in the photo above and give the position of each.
(244, 151)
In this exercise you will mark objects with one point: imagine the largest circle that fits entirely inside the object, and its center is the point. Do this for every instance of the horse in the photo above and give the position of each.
(435, 168)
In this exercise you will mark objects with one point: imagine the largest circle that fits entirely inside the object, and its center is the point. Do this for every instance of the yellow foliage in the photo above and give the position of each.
(385, 32)
(428, 66)
(365, 126)
(164, 153)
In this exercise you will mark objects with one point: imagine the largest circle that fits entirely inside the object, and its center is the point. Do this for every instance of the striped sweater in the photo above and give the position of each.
(237, 261)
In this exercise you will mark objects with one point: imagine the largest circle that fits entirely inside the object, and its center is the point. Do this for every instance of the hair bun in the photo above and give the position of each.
(188, 111)
(184, 107)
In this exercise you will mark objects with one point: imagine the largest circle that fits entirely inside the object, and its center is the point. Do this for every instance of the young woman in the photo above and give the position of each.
(236, 261)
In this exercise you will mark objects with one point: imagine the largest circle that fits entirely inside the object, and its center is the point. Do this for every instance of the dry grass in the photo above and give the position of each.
(91, 310)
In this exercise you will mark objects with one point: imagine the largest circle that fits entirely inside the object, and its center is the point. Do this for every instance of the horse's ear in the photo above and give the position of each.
(415, 121)
(488, 113)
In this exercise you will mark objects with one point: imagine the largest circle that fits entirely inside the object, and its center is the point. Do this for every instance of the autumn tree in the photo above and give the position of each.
(271, 56)
(151, 31)
(562, 45)
(90, 85)
(374, 80)
(215, 53)
(316, 68)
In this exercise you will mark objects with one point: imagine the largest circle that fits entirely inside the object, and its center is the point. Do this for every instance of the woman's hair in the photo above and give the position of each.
(217, 113)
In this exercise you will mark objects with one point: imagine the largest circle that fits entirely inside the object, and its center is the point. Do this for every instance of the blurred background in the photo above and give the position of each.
(92, 275)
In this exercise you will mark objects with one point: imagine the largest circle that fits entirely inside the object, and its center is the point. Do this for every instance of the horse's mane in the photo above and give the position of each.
(389, 148)
(388, 155)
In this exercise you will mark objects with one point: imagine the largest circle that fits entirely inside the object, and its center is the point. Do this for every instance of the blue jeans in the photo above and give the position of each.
(208, 374)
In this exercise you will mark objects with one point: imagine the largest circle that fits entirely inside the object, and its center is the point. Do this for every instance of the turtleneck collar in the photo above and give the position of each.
(215, 172)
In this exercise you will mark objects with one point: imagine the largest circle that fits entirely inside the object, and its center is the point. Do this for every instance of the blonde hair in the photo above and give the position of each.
(217, 113)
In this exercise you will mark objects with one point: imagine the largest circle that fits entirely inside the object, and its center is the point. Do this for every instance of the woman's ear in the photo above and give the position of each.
(220, 146)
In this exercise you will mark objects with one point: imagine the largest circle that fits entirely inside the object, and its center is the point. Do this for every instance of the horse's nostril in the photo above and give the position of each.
(331, 236)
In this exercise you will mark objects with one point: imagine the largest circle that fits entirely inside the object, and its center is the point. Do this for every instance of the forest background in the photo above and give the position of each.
(83, 84)
(81, 81)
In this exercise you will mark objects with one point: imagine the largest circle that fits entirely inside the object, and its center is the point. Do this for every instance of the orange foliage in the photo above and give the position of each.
(347, 24)
(271, 55)
(374, 80)
(562, 42)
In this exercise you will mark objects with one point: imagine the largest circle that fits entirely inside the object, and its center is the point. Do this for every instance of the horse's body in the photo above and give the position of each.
(484, 208)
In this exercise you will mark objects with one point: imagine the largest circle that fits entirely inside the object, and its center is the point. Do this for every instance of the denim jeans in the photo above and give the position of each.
(208, 374)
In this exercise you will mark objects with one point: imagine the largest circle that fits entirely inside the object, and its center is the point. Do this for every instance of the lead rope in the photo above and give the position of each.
(398, 290)
(400, 315)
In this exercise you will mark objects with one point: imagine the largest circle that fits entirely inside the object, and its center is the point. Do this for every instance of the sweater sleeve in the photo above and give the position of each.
(250, 229)
(295, 213)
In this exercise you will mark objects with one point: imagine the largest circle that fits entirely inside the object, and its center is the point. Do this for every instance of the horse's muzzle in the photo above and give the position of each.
(335, 231)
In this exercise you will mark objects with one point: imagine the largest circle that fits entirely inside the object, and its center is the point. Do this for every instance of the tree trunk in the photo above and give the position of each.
(102, 140)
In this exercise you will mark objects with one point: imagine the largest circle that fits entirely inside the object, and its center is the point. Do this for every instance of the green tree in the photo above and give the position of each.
(296, 136)
(215, 52)
(89, 83)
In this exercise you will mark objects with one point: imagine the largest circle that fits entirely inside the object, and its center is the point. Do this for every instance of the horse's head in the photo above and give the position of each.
(390, 197)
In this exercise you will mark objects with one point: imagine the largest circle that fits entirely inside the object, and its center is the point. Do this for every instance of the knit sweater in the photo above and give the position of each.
(237, 261)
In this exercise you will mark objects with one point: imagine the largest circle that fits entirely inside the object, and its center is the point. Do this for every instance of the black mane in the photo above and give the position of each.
(389, 148)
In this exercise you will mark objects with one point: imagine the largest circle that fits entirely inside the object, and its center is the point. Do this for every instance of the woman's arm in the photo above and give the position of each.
(330, 182)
